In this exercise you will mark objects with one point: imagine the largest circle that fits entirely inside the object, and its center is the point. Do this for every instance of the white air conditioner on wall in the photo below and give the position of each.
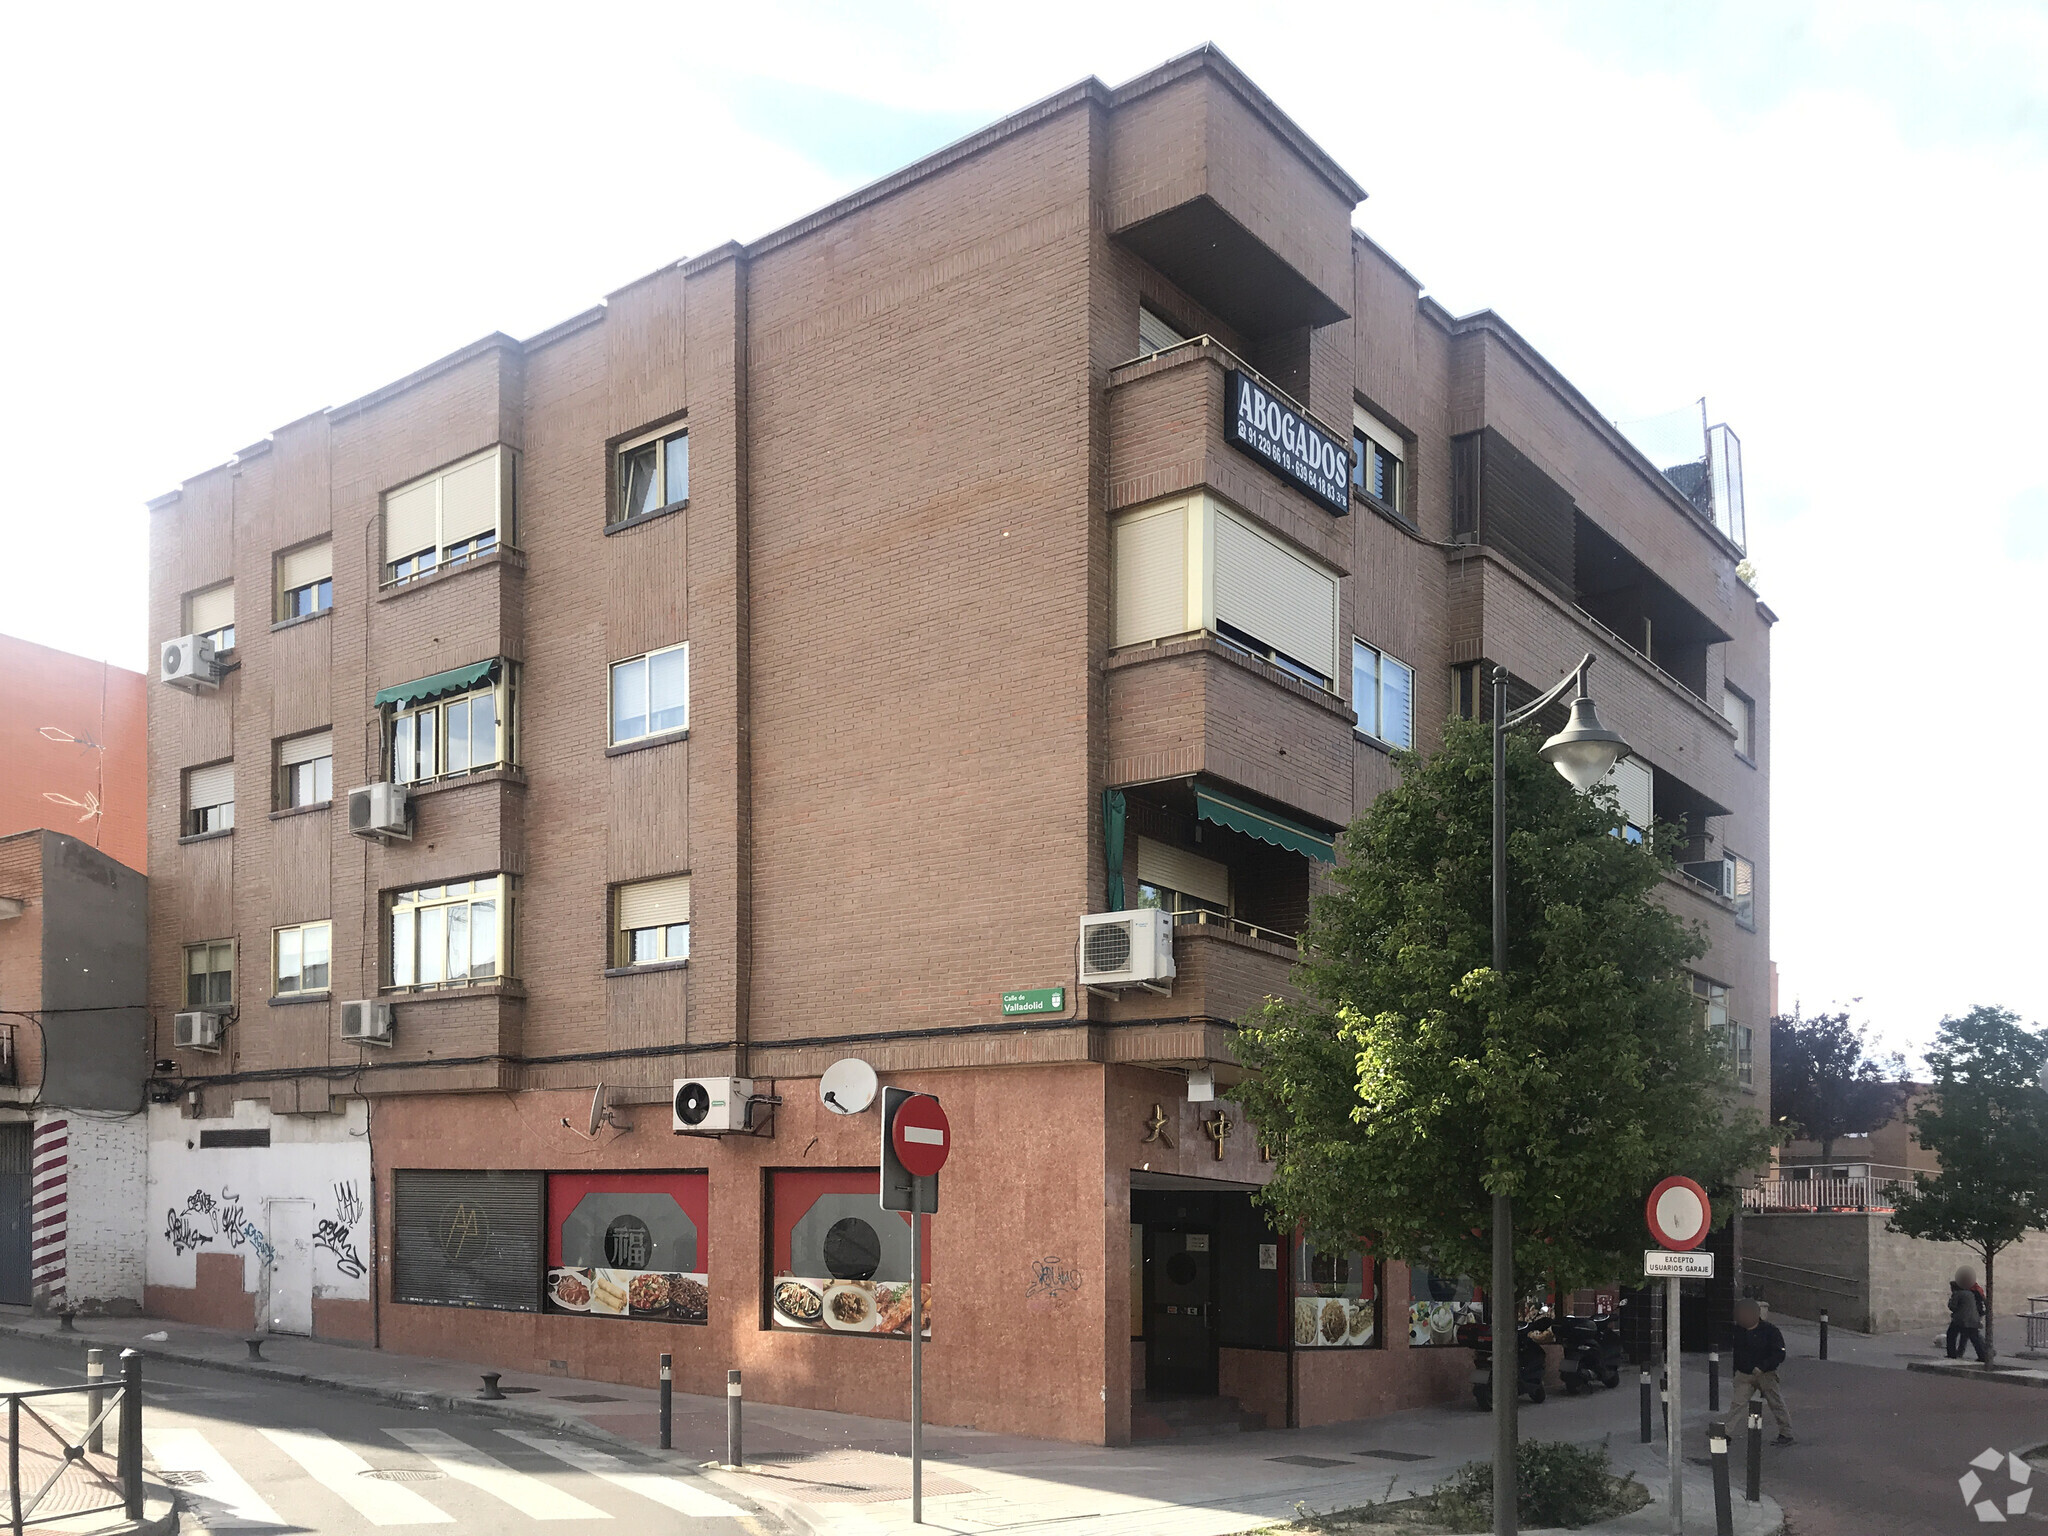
(188, 663)
(367, 1022)
(382, 811)
(196, 1031)
(1127, 949)
(711, 1106)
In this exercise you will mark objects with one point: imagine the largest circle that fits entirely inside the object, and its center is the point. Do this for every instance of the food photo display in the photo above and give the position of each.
(628, 1245)
(842, 1263)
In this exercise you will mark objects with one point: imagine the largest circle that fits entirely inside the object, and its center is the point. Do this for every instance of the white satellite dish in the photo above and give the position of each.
(596, 1111)
(848, 1086)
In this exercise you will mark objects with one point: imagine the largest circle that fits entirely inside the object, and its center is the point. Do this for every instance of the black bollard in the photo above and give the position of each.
(490, 1393)
(1724, 1504)
(1754, 1490)
(255, 1348)
(1713, 1381)
(1664, 1397)
(131, 1433)
(732, 1418)
(1646, 1405)
(668, 1388)
(1823, 1333)
(65, 1321)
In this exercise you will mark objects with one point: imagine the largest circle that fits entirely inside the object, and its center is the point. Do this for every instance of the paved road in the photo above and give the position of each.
(251, 1455)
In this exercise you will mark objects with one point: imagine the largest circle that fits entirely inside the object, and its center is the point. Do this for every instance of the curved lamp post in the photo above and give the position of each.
(1585, 752)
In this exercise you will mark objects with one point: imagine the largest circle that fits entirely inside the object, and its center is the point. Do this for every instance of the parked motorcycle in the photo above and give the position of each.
(1530, 1363)
(1592, 1352)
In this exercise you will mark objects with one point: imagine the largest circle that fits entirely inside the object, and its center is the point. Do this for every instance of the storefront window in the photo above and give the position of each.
(629, 1245)
(1438, 1305)
(1336, 1297)
(841, 1264)
(467, 1239)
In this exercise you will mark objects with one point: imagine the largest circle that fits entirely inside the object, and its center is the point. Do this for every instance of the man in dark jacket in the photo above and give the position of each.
(1966, 1317)
(1759, 1351)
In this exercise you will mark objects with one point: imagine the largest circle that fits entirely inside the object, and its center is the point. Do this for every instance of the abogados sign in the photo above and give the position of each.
(1287, 442)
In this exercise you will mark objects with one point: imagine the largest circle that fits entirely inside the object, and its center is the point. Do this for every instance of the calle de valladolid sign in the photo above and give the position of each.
(1287, 442)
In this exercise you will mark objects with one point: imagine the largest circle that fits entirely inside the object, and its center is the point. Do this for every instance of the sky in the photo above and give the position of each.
(1826, 219)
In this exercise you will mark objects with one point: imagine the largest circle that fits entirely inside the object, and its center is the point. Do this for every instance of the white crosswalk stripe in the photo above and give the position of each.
(221, 1500)
(527, 1494)
(678, 1494)
(341, 1471)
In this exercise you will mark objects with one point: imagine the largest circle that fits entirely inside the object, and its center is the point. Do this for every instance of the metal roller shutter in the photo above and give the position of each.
(654, 903)
(213, 785)
(412, 520)
(1635, 786)
(469, 499)
(1378, 431)
(468, 1239)
(303, 567)
(1179, 870)
(303, 749)
(1275, 595)
(1152, 576)
(211, 609)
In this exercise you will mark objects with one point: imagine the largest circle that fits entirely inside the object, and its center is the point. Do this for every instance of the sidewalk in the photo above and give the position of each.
(848, 1475)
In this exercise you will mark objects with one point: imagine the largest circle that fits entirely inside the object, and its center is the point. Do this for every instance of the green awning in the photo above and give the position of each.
(439, 686)
(1213, 804)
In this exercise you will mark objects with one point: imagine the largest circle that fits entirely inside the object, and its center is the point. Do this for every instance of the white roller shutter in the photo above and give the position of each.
(303, 567)
(1178, 870)
(1388, 439)
(1275, 595)
(213, 785)
(1154, 334)
(212, 609)
(654, 903)
(304, 749)
(412, 520)
(1635, 785)
(469, 499)
(1152, 576)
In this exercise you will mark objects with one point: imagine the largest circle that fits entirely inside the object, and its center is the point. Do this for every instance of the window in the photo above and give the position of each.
(831, 1245)
(1741, 712)
(451, 935)
(445, 738)
(1336, 1297)
(305, 581)
(651, 694)
(1154, 334)
(211, 616)
(301, 954)
(1635, 786)
(305, 770)
(653, 474)
(1710, 998)
(652, 921)
(210, 974)
(1376, 460)
(450, 517)
(1383, 695)
(1183, 883)
(209, 798)
(1738, 884)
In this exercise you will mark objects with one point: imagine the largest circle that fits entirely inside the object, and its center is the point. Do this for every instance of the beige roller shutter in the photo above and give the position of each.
(1378, 431)
(1179, 870)
(1275, 595)
(412, 519)
(303, 749)
(654, 903)
(469, 499)
(213, 785)
(1152, 576)
(211, 609)
(303, 567)
(1635, 786)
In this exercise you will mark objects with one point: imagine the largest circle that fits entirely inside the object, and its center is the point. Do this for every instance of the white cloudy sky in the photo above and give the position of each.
(1828, 219)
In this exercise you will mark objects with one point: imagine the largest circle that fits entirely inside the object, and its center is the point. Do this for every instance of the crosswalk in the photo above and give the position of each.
(223, 1497)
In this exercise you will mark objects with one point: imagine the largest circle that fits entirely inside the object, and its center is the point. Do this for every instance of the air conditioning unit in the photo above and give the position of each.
(187, 662)
(712, 1106)
(1127, 949)
(382, 811)
(196, 1031)
(367, 1022)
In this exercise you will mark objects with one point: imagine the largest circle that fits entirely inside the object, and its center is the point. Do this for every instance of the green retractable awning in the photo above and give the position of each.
(439, 686)
(1212, 804)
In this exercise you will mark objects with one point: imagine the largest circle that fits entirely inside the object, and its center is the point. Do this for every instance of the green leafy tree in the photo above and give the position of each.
(1413, 1083)
(1825, 1084)
(1987, 1121)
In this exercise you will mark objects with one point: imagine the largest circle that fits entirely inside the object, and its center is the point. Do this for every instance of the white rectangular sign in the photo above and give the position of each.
(1686, 1266)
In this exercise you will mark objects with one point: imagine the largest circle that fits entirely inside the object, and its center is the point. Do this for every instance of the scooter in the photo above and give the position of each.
(1592, 1352)
(1530, 1363)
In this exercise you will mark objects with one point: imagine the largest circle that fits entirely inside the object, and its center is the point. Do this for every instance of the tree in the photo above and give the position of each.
(1824, 1083)
(1413, 1082)
(1987, 1121)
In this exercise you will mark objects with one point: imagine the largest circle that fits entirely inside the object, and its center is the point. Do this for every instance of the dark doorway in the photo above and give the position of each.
(16, 1288)
(1180, 1311)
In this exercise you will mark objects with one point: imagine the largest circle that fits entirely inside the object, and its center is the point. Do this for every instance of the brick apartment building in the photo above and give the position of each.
(777, 656)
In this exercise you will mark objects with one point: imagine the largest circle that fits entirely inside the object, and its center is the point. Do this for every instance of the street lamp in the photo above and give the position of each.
(1585, 752)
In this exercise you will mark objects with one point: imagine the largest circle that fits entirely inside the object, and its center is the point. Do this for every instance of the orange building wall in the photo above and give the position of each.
(72, 750)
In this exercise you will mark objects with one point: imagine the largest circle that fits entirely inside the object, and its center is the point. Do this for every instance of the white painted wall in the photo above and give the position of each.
(213, 1199)
(106, 1189)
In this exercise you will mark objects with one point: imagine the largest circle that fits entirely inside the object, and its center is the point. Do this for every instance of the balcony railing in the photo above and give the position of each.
(2037, 1326)
(1821, 1195)
(1236, 925)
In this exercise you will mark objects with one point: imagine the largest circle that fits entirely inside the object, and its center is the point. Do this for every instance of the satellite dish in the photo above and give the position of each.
(848, 1086)
(596, 1110)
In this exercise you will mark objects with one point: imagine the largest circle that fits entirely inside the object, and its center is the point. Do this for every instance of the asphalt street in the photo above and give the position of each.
(251, 1455)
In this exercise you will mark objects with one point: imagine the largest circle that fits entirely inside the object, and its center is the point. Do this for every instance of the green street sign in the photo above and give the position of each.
(1035, 1000)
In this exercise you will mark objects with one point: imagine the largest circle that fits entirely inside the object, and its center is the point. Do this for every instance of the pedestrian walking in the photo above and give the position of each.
(1759, 1351)
(1966, 1316)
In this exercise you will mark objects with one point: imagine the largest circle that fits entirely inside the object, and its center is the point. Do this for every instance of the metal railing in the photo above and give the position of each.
(1204, 919)
(67, 1467)
(1821, 1195)
(2037, 1325)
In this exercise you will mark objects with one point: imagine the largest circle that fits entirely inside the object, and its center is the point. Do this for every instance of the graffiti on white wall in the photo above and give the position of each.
(336, 1234)
(203, 1220)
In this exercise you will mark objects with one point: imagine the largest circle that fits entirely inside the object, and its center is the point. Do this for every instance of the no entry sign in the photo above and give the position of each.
(1678, 1214)
(921, 1136)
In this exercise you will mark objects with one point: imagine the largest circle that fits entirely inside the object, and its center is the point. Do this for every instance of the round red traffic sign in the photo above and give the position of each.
(921, 1135)
(1679, 1214)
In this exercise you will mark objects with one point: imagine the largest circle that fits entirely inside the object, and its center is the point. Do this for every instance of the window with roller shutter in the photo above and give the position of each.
(211, 616)
(1179, 881)
(305, 770)
(468, 1238)
(450, 517)
(651, 922)
(305, 581)
(1635, 786)
(209, 798)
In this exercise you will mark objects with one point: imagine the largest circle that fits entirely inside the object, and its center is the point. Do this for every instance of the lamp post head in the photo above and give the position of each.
(1585, 751)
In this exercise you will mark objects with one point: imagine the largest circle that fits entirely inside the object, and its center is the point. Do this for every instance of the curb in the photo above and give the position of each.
(2011, 1376)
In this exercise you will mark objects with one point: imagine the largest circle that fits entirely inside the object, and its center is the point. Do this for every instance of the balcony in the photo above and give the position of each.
(1223, 974)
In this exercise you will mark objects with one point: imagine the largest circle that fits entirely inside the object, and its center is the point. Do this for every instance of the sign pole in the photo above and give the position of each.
(917, 1357)
(1674, 1428)
(1679, 1218)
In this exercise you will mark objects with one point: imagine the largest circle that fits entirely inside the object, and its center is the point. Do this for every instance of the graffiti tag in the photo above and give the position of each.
(1052, 1279)
(464, 1231)
(205, 1219)
(336, 1235)
(183, 1235)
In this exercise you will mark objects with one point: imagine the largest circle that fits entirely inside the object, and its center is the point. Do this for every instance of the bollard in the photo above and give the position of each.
(255, 1348)
(131, 1433)
(1724, 1505)
(732, 1418)
(490, 1393)
(1754, 1489)
(668, 1388)
(95, 1400)
(66, 1320)
(1664, 1397)
(1823, 1333)
(1713, 1381)
(1646, 1405)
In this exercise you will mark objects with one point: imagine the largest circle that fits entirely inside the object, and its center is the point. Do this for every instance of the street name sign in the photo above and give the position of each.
(1035, 1000)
